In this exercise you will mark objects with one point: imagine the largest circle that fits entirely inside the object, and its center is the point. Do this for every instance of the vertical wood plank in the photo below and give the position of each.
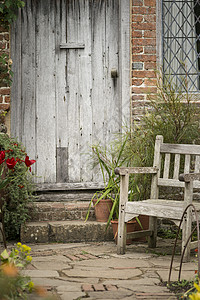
(85, 88)
(187, 164)
(28, 104)
(197, 164)
(73, 95)
(176, 166)
(62, 137)
(113, 117)
(156, 163)
(98, 72)
(61, 164)
(45, 91)
(166, 166)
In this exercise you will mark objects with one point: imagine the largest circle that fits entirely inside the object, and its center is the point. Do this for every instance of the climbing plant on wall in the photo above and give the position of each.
(8, 13)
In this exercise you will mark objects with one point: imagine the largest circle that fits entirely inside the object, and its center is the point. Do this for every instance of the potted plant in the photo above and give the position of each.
(108, 197)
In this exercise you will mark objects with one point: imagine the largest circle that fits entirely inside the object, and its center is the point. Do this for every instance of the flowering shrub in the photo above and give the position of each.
(12, 284)
(16, 184)
(18, 257)
(9, 164)
(195, 295)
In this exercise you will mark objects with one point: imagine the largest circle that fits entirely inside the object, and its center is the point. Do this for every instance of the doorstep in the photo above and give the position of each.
(65, 232)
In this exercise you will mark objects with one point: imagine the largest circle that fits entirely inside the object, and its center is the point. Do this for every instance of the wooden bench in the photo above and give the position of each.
(172, 155)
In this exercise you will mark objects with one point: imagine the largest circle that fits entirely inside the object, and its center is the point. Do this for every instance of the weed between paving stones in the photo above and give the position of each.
(181, 289)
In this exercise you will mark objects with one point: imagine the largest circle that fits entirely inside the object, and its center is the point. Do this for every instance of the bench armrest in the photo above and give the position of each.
(189, 177)
(135, 170)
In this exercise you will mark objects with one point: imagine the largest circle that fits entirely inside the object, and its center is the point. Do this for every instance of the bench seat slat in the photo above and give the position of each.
(158, 208)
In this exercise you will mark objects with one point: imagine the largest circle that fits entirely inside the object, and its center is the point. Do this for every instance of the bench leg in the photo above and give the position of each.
(152, 226)
(121, 240)
(187, 221)
(186, 232)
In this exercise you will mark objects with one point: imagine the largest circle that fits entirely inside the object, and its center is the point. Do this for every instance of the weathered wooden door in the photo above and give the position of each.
(71, 82)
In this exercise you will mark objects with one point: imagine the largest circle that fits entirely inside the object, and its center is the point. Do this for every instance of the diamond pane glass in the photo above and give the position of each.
(181, 43)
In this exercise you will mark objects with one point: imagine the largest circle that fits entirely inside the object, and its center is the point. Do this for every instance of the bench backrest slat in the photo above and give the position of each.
(197, 164)
(180, 149)
(187, 164)
(166, 166)
(176, 166)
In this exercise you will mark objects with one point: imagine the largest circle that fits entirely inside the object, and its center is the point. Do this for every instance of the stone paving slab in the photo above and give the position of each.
(41, 273)
(63, 281)
(54, 262)
(187, 275)
(115, 263)
(71, 296)
(155, 296)
(102, 273)
(119, 294)
(131, 283)
(69, 287)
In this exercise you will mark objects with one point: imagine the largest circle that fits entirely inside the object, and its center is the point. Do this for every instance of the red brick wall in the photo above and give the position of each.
(143, 41)
(4, 48)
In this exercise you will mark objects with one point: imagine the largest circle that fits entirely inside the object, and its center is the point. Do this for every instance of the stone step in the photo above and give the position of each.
(60, 211)
(65, 232)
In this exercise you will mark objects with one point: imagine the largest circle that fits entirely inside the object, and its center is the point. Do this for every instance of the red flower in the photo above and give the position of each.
(21, 186)
(2, 157)
(29, 162)
(18, 160)
(11, 163)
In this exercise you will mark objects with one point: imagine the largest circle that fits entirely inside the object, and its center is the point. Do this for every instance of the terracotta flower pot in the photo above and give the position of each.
(145, 226)
(130, 228)
(102, 209)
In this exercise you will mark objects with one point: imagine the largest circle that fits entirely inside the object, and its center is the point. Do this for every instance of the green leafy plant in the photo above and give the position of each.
(8, 10)
(5, 70)
(16, 184)
(8, 13)
(108, 159)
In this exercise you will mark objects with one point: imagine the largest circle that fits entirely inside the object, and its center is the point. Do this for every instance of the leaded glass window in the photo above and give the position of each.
(181, 42)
